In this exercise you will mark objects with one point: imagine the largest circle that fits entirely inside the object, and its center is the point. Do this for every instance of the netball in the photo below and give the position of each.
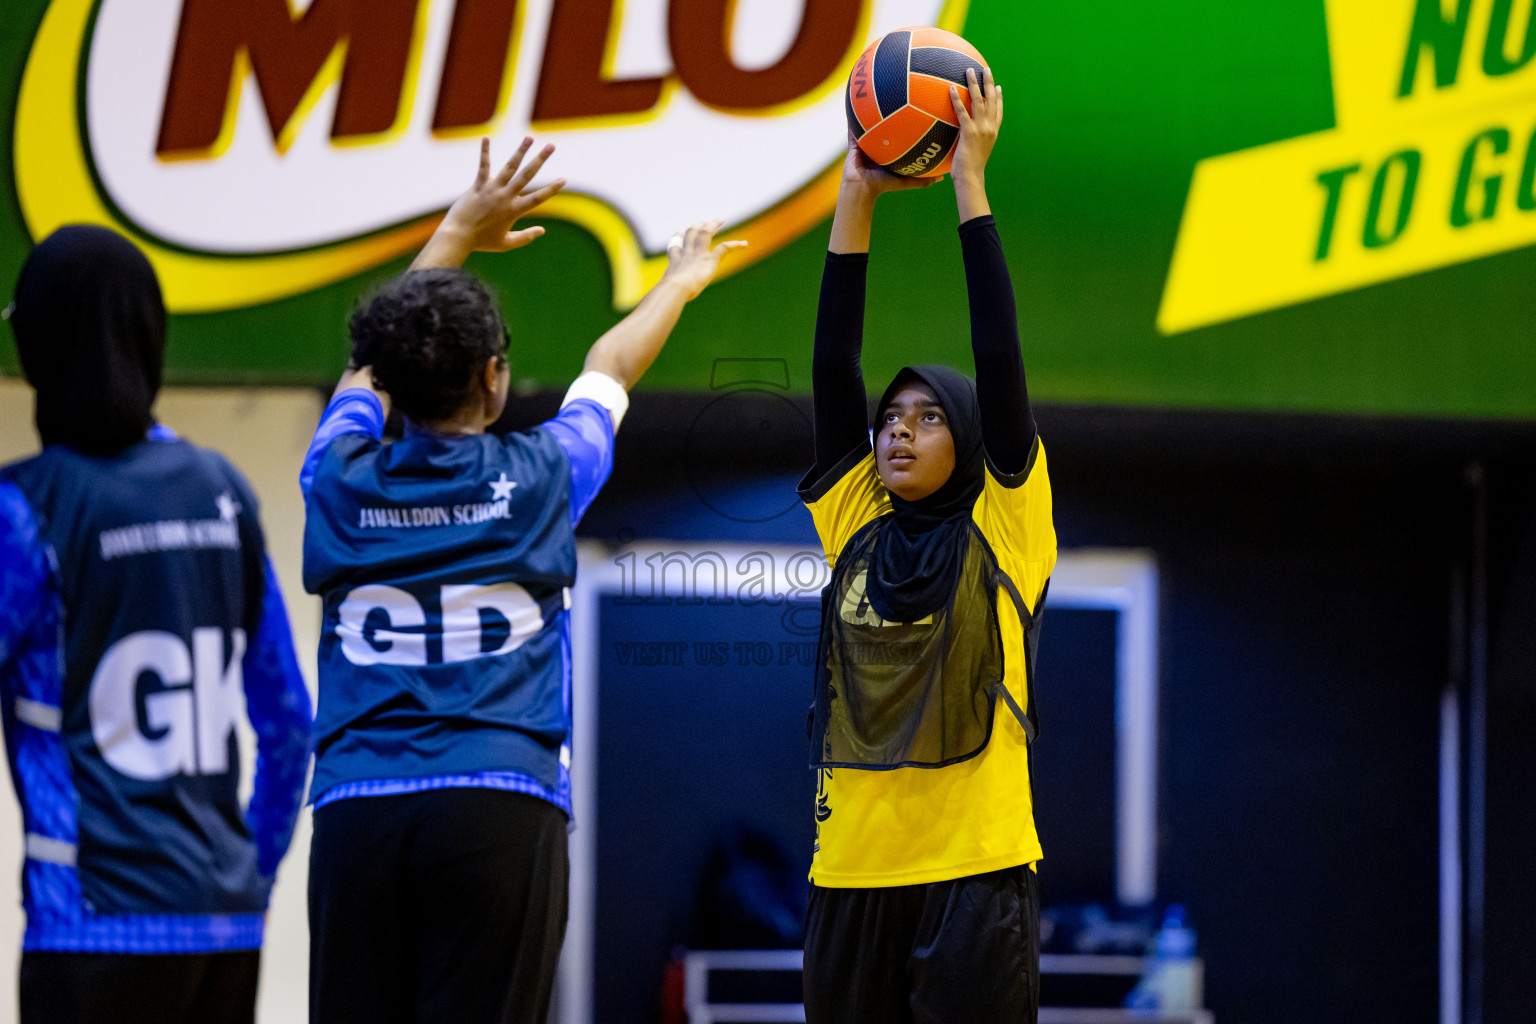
(898, 102)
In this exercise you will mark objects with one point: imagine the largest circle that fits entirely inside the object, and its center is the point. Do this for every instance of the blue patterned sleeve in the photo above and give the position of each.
(23, 572)
(278, 703)
(585, 430)
(354, 411)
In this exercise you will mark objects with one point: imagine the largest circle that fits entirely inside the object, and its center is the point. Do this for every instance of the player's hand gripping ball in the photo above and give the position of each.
(898, 99)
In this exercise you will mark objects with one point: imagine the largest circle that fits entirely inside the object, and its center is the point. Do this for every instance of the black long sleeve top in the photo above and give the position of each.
(837, 379)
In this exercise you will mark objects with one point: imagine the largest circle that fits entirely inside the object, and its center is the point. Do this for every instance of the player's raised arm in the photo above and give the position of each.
(863, 182)
(480, 220)
(837, 380)
(1007, 422)
(628, 348)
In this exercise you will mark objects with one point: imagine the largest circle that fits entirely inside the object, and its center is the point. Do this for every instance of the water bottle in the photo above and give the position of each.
(1172, 980)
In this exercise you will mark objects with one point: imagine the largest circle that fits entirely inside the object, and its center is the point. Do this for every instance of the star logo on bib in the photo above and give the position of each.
(501, 489)
(228, 506)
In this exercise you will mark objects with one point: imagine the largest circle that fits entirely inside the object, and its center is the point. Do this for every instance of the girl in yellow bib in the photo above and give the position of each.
(924, 906)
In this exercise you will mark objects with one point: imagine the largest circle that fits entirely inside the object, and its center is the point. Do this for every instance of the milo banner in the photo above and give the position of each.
(1288, 206)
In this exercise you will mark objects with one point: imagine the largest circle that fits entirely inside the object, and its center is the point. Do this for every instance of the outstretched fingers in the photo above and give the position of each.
(510, 167)
(525, 174)
(697, 238)
(535, 197)
(691, 262)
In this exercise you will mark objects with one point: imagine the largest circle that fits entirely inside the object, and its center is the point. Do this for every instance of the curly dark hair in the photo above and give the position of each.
(427, 334)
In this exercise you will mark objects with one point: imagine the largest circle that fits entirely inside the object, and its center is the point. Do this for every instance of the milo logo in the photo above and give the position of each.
(263, 148)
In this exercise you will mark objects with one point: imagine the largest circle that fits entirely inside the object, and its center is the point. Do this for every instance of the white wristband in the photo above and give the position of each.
(602, 389)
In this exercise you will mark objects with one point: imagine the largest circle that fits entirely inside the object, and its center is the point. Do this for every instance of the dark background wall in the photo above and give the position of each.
(687, 755)
(1307, 566)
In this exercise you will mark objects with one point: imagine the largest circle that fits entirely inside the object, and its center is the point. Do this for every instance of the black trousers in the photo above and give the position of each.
(442, 907)
(963, 951)
(135, 988)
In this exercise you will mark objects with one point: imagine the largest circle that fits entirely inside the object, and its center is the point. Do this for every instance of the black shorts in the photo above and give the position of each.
(443, 906)
(963, 950)
(138, 988)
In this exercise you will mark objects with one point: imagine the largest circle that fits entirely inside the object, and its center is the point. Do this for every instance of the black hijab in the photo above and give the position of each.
(90, 330)
(921, 549)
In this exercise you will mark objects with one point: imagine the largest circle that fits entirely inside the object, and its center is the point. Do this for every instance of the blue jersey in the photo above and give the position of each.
(444, 563)
(137, 614)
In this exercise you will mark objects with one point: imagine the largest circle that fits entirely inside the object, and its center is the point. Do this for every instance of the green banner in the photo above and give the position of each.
(1290, 206)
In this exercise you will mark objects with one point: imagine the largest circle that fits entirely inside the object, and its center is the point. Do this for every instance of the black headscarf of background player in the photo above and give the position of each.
(90, 330)
(921, 551)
